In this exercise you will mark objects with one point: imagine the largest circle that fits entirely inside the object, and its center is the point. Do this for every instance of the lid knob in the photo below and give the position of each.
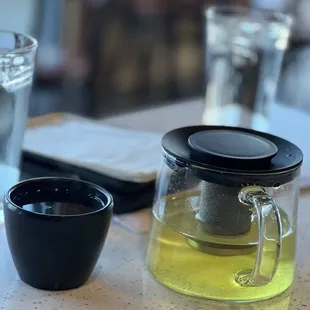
(231, 148)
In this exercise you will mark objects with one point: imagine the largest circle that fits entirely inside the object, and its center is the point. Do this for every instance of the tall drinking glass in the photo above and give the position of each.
(17, 61)
(244, 52)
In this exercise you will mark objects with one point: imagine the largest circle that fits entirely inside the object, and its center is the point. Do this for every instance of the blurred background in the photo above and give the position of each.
(105, 57)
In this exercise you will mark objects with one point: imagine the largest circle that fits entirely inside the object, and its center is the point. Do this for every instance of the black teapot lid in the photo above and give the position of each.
(234, 151)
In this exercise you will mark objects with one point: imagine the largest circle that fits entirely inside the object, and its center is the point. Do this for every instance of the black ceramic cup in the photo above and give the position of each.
(56, 229)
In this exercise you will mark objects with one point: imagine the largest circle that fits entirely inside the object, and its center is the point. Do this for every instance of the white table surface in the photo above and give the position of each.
(120, 280)
(161, 119)
(285, 121)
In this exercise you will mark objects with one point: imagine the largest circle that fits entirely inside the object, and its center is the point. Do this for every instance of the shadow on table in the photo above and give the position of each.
(167, 297)
(280, 302)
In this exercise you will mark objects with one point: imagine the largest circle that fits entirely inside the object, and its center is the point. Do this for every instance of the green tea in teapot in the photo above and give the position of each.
(205, 265)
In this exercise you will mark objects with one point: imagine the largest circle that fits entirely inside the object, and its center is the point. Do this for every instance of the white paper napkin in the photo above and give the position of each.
(124, 154)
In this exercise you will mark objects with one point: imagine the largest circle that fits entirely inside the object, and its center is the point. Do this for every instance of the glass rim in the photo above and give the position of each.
(238, 10)
(34, 181)
(33, 43)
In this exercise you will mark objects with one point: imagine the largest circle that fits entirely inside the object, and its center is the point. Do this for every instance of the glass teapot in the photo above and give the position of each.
(224, 217)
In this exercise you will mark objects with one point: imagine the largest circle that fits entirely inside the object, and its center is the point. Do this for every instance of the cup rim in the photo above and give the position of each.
(108, 204)
(264, 14)
(28, 48)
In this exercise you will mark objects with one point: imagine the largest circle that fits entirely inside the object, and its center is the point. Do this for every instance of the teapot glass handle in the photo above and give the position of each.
(269, 237)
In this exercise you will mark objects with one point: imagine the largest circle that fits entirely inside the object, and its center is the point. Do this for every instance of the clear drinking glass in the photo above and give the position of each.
(17, 61)
(244, 52)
